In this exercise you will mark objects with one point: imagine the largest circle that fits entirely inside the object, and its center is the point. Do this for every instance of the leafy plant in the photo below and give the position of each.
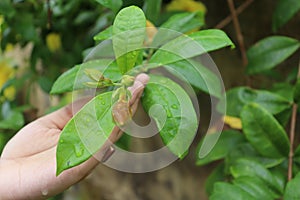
(91, 126)
(41, 30)
(258, 160)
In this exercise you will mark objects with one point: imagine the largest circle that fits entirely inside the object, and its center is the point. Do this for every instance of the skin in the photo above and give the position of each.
(28, 165)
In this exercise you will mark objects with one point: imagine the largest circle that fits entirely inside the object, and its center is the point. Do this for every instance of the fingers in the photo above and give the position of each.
(58, 119)
(138, 87)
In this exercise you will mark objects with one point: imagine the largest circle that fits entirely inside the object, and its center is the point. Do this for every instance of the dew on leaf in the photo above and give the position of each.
(174, 106)
(169, 114)
(78, 150)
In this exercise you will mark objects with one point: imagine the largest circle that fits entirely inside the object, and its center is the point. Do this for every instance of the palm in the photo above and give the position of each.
(28, 160)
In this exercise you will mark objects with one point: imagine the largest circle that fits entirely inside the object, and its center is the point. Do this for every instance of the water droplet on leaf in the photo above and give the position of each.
(174, 106)
(169, 114)
(79, 150)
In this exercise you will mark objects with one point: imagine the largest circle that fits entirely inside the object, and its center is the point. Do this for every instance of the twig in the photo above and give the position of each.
(292, 134)
(292, 138)
(239, 34)
(239, 10)
(49, 15)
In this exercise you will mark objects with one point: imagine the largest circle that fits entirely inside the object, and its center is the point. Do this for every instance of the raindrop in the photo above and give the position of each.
(61, 141)
(102, 102)
(79, 150)
(174, 106)
(169, 114)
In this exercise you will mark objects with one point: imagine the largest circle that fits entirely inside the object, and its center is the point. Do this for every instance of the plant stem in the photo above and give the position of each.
(49, 15)
(292, 138)
(238, 31)
(239, 36)
(239, 10)
(292, 134)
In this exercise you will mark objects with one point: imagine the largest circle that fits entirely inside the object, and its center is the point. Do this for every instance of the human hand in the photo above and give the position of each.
(28, 161)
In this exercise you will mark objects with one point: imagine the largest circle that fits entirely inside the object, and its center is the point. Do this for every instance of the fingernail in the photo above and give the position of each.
(108, 154)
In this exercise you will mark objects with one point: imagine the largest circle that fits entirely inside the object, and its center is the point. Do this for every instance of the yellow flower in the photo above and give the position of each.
(53, 41)
(7, 72)
(9, 47)
(186, 5)
(233, 122)
(10, 93)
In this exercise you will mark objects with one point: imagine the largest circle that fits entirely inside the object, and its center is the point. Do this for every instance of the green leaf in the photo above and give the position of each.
(124, 142)
(279, 174)
(297, 155)
(212, 39)
(292, 191)
(227, 191)
(184, 22)
(264, 132)
(197, 75)
(247, 167)
(114, 5)
(255, 187)
(152, 9)
(284, 117)
(269, 52)
(170, 106)
(105, 34)
(13, 121)
(45, 83)
(246, 150)
(85, 133)
(188, 46)
(24, 26)
(284, 11)
(6, 8)
(238, 97)
(283, 89)
(4, 138)
(297, 92)
(103, 50)
(75, 78)
(217, 175)
(129, 31)
(226, 142)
